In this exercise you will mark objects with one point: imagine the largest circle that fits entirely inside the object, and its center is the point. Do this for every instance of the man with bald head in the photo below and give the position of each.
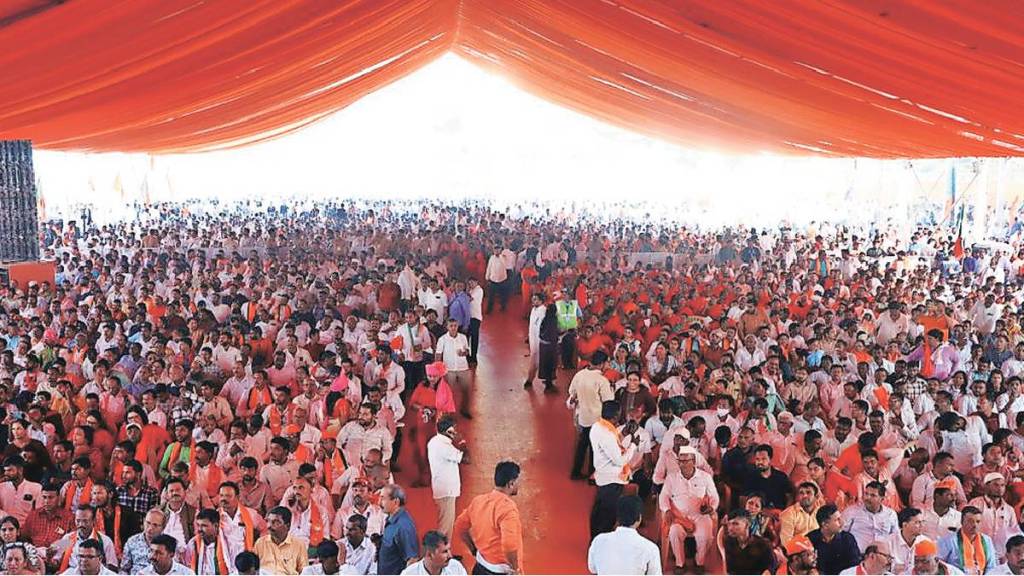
(877, 560)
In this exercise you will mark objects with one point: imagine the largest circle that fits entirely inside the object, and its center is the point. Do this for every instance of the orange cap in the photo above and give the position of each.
(798, 544)
(925, 547)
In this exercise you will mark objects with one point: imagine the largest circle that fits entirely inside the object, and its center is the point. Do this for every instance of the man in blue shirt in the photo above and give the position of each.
(399, 546)
(459, 309)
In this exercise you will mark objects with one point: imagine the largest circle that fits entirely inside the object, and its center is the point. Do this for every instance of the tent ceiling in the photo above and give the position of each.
(876, 78)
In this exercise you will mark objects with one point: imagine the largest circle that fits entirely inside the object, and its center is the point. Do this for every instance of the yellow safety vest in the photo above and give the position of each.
(568, 317)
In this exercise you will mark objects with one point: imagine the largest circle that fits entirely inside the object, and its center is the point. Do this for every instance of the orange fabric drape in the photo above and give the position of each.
(180, 75)
(840, 78)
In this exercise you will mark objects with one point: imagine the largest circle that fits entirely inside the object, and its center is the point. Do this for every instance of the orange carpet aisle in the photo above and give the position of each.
(535, 430)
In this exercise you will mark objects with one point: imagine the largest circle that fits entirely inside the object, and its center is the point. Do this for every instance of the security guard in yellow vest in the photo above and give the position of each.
(569, 313)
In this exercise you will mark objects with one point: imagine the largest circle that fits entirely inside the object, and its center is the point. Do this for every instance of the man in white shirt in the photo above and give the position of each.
(92, 557)
(625, 551)
(533, 334)
(497, 277)
(612, 452)
(871, 521)
(940, 517)
(431, 297)
(66, 551)
(891, 325)
(687, 500)
(444, 458)
(1014, 366)
(437, 557)
(984, 315)
(18, 496)
(225, 355)
(476, 316)
(749, 355)
(587, 391)
(452, 348)
(877, 559)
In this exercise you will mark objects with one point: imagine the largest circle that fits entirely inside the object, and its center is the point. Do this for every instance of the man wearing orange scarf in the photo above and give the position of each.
(204, 476)
(117, 522)
(78, 490)
(612, 453)
(240, 524)
(209, 552)
(310, 521)
(967, 548)
(181, 450)
(66, 549)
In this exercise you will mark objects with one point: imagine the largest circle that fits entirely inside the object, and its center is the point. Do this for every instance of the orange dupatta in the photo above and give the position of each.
(69, 496)
(275, 420)
(218, 550)
(66, 560)
(624, 475)
(303, 454)
(101, 527)
(316, 524)
(247, 522)
(176, 455)
(213, 478)
(263, 400)
(333, 467)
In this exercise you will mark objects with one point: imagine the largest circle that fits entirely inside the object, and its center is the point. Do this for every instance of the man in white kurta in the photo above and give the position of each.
(536, 317)
(687, 500)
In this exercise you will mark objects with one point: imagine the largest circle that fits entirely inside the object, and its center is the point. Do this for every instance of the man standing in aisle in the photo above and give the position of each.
(612, 453)
(588, 391)
(569, 313)
(496, 276)
(476, 317)
(445, 451)
(491, 528)
(452, 348)
(625, 551)
(533, 336)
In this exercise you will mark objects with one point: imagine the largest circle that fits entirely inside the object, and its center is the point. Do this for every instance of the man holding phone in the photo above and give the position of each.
(613, 451)
(445, 451)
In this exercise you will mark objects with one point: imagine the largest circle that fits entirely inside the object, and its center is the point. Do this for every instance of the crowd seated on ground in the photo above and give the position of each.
(228, 390)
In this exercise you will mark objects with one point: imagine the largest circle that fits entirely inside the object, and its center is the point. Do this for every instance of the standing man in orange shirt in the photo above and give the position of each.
(491, 527)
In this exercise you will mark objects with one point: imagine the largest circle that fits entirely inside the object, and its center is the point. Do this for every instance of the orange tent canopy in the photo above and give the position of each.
(874, 78)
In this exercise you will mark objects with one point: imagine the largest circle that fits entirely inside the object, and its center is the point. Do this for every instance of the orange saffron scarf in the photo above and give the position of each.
(218, 550)
(263, 399)
(66, 560)
(101, 527)
(275, 420)
(625, 474)
(247, 522)
(303, 455)
(214, 476)
(333, 467)
(176, 455)
(69, 496)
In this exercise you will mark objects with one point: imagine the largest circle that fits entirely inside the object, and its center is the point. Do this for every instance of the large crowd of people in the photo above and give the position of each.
(228, 390)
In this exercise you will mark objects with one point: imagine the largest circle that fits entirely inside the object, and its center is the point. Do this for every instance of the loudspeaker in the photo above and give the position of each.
(19, 221)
